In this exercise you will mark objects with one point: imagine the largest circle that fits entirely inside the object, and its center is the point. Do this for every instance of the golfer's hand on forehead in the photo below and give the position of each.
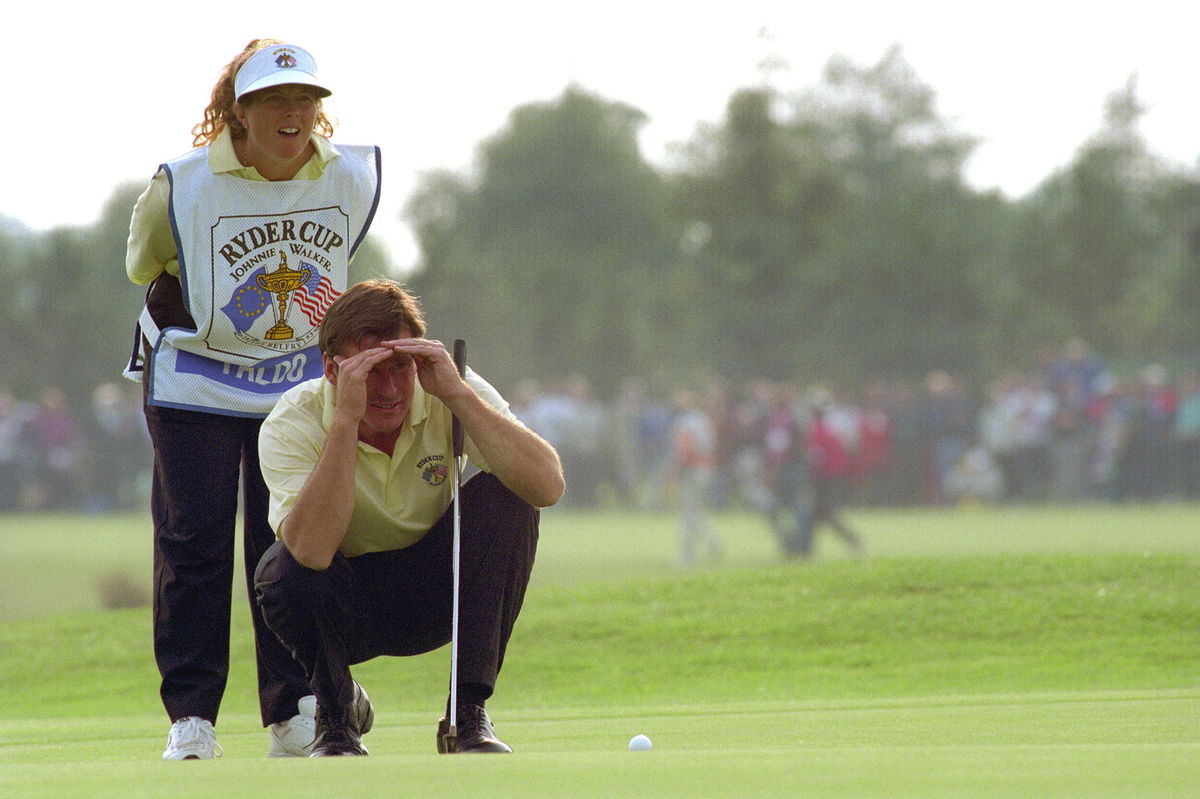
(428, 350)
(435, 364)
(350, 376)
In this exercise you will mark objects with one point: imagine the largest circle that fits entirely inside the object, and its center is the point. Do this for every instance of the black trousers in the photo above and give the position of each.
(400, 602)
(198, 459)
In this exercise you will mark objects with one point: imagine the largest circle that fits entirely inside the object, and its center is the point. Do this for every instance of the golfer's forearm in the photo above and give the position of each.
(531, 470)
(522, 459)
(317, 523)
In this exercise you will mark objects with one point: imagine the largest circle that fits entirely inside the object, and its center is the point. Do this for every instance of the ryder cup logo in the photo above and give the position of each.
(285, 59)
(278, 277)
(434, 470)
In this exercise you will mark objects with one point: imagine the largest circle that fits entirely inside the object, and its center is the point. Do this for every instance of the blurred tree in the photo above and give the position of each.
(17, 245)
(371, 260)
(766, 197)
(1108, 253)
(113, 303)
(548, 261)
(845, 241)
(902, 290)
(1181, 212)
(71, 311)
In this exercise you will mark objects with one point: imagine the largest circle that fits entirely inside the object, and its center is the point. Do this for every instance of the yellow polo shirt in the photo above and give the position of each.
(397, 498)
(151, 248)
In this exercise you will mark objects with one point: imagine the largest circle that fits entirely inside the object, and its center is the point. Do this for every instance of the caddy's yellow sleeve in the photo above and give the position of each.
(151, 249)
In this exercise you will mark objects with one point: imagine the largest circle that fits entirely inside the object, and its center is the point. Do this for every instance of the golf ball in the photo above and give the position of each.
(639, 743)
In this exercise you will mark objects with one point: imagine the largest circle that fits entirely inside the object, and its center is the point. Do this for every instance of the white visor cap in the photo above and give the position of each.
(276, 65)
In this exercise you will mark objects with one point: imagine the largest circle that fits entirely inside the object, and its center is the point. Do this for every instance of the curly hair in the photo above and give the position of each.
(219, 113)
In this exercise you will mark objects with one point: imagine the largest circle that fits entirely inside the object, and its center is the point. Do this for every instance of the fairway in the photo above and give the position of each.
(1049, 652)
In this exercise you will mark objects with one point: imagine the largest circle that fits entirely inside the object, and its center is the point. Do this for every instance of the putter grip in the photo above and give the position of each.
(460, 363)
(460, 356)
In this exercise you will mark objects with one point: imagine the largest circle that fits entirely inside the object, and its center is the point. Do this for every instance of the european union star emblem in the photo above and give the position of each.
(247, 303)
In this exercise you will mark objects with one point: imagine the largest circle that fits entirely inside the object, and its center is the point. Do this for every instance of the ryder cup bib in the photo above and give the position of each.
(259, 264)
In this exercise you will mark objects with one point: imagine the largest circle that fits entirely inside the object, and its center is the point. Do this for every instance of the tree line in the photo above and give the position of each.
(823, 232)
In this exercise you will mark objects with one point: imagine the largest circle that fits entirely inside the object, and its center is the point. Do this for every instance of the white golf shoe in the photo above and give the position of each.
(294, 737)
(192, 738)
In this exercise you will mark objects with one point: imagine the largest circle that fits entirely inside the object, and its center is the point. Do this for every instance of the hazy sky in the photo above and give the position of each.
(103, 93)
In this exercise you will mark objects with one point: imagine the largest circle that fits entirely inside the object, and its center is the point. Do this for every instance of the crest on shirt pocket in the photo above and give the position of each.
(434, 470)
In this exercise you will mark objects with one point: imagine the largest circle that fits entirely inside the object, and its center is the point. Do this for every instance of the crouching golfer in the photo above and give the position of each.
(359, 467)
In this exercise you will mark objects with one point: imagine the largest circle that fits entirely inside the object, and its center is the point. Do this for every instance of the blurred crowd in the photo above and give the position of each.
(1066, 430)
(1069, 429)
(54, 456)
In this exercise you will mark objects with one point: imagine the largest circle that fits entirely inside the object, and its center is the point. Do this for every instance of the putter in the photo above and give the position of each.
(451, 738)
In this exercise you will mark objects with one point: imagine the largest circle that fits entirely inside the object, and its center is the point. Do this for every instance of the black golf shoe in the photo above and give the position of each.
(475, 734)
(340, 729)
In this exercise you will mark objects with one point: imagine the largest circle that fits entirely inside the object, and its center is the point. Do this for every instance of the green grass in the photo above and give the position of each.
(975, 653)
(579, 548)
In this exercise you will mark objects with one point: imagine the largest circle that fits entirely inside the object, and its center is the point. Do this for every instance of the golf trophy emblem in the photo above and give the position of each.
(282, 282)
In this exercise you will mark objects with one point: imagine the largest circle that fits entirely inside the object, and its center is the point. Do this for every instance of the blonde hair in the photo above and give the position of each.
(219, 113)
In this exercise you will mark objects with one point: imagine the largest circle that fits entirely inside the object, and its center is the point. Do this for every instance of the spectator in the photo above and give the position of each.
(693, 470)
(1072, 377)
(875, 445)
(657, 416)
(906, 483)
(949, 429)
(1032, 410)
(550, 414)
(1075, 372)
(1070, 442)
(1145, 465)
(1110, 412)
(787, 475)
(629, 467)
(59, 445)
(749, 423)
(583, 444)
(976, 479)
(831, 469)
(1186, 434)
(117, 448)
(997, 427)
(720, 411)
(526, 405)
(12, 451)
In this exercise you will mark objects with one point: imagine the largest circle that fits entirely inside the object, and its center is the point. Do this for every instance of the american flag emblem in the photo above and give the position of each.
(314, 297)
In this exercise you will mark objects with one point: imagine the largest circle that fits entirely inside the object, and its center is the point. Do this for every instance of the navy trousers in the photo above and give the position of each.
(400, 602)
(198, 460)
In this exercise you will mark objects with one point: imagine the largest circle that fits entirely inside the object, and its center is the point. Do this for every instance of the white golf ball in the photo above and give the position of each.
(639, 743)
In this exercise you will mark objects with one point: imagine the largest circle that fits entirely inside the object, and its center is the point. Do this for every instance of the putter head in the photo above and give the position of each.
(447, 742)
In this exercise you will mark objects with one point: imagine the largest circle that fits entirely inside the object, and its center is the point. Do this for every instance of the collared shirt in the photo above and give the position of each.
(397, 497)
(151, 248)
